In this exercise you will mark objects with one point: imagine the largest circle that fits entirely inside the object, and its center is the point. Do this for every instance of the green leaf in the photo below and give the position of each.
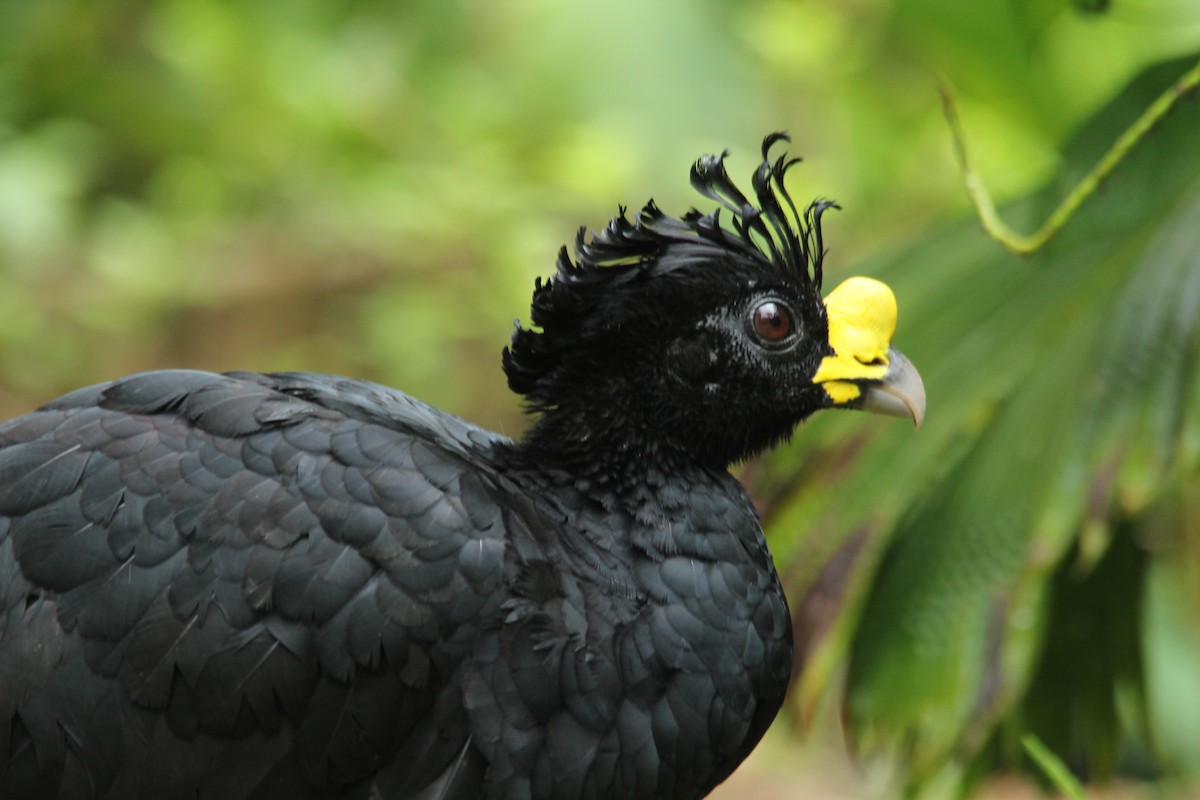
(1062, 399)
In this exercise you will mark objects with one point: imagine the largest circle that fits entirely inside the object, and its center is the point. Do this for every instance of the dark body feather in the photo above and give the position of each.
(303, 586)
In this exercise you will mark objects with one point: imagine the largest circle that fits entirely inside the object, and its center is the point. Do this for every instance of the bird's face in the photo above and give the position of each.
(750, 356)
(703, 337)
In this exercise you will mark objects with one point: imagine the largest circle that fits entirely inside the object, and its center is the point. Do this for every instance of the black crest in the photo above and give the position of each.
(790, 241)
(627, 252)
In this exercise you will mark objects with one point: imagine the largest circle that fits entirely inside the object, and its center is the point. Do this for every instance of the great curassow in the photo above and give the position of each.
(301, 586)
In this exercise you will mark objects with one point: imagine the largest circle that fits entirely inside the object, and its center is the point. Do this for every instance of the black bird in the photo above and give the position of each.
(302, 586)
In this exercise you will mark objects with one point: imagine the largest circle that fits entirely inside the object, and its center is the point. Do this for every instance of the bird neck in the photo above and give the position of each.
(639, 497)
(611, 447)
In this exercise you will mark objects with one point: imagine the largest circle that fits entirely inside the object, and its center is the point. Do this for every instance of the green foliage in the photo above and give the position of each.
(1068, 409)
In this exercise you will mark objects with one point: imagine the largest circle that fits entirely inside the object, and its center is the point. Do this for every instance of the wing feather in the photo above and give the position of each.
(293, 563)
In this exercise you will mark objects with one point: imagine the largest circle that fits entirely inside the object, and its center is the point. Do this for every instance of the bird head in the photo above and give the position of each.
(705, 334)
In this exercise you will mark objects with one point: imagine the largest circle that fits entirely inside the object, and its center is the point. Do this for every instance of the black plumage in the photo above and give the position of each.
(301, 586)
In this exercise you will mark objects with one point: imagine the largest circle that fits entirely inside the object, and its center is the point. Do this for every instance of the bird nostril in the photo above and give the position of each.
(878, 361)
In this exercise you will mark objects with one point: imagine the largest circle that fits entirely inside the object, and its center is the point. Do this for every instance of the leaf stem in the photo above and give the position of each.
(1024, 244)
(1053, 767)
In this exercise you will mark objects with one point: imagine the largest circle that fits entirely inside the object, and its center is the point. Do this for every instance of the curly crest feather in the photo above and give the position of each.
(628, 252)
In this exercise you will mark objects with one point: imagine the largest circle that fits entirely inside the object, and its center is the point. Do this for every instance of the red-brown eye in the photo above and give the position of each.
(772, 322)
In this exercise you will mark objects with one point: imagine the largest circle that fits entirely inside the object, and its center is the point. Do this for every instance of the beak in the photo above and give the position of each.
(865, 371)
(901, 392)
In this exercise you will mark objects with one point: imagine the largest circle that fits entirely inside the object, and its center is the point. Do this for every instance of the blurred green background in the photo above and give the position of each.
(371, 188)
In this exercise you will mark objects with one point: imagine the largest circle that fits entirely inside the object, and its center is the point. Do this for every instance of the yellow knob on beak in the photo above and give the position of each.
(865, 371)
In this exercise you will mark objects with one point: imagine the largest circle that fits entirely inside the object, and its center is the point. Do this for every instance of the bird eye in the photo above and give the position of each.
(772, 322)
